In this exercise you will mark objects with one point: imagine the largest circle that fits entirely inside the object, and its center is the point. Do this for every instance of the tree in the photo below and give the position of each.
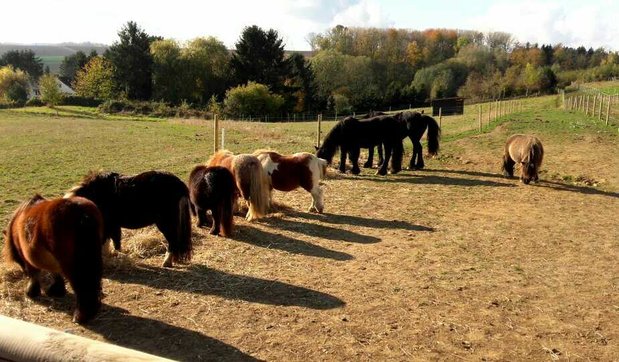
(252, 99)
(259, 57)
(303, 83)
(132, 62)
(208, 63)
(50, 90)
(95, 79)
(14, 85)
(72, 64)
(169, 72)
(24, 60)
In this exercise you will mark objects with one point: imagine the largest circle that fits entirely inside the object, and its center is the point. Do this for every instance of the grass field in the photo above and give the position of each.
(53, 62)
(452, 262)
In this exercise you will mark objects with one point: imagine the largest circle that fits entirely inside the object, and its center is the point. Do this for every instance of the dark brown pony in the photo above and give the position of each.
(213, 188)
(302, 169)
(64, 237)
(251, 180)
(527, 151)
(134, 202)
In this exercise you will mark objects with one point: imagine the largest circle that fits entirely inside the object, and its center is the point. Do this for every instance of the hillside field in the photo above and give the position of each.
(454, 262)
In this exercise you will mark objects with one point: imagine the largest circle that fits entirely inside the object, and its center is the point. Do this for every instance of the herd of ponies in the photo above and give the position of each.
(65, 235)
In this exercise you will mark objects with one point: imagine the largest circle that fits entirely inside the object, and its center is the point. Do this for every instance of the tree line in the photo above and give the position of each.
(351, 69)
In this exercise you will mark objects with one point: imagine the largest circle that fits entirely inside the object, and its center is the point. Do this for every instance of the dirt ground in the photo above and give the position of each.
(453, 262)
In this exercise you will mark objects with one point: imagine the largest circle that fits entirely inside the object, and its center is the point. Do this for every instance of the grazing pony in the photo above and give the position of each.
(64, 237)
(528, 152)
(351, 134)
(287, 173)
(134, 202)
(251, 180)
(213, 188)
(415, 124)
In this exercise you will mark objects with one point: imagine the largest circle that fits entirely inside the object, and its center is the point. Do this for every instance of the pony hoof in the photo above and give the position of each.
(56, 290)
(214, 232)
(381, 173)
(33, 293)
(81, 317)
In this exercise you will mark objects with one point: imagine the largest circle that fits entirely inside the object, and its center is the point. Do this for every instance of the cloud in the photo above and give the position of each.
(363, 14)
(572, 24)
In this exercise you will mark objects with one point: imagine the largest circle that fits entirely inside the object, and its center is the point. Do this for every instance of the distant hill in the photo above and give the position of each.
(53, 54)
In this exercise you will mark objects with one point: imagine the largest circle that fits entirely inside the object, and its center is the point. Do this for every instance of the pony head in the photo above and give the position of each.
(529, 172)
(96, 186)
(332, 141)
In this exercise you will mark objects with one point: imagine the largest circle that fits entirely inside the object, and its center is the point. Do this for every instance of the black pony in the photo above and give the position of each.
(134, 202)
(352, 134)
(415, 125)
(213, 188)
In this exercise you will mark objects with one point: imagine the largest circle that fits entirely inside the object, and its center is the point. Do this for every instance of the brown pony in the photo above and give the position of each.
(287, 173)
(213, 188)
(528, 152)
(251, 180)
(64, 237)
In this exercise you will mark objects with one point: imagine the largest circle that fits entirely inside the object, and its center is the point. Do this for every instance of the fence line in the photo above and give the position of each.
(606, 104)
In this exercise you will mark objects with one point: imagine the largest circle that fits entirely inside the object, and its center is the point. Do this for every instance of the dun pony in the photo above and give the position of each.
(134, 202)
(214, 189)
(251, 180)
(527, 151)
(64, 237)
(287, 173)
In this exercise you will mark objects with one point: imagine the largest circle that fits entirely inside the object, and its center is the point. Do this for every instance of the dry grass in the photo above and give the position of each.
(454, 262)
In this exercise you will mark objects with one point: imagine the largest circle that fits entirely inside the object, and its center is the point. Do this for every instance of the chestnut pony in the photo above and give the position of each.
(213, 188)
(64, 237)
(251, 180)
(133, 202)
(287, 173)
(528, 152)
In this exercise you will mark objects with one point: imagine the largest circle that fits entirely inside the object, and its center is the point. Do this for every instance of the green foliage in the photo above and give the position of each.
(440, 80)
(50, 90)
(132, 61)
(95, 80)
(208, 65)
(252, 99)
(72, 64)
(259, 57)
(13, 85)
(24, 60)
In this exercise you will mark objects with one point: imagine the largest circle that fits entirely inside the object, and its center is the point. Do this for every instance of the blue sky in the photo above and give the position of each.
(591, 23)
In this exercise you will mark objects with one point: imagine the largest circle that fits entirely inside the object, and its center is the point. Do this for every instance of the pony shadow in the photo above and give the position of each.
(321, 231)
(574, 188)
(463, 172)
(362, 221)
(434, 180)
(199, 279)
(268, 240)
(160, 338)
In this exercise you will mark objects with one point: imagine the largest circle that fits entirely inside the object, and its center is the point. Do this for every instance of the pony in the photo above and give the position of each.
(526, 150)
(64, 237)
(251, 180)
(351, 134)
(287, 173)
(415, 124)
(213, 188)
(133, 202)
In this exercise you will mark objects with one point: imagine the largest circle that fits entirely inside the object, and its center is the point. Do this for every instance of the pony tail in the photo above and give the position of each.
(258, 192)
(182, 248)
(10, 252)
(434, 135)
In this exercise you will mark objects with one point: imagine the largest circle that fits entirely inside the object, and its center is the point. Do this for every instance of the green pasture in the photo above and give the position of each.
(53, 62)
(47, 153)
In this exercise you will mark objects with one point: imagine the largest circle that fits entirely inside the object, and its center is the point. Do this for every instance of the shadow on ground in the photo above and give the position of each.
(319, 231)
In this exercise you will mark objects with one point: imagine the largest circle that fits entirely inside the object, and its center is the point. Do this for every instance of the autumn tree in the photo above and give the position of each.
(95, 80)
(24, 60)
(14, 85)
(50, 90)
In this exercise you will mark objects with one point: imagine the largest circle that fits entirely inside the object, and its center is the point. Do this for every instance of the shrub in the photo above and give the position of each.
(252, 99)
(35, 102)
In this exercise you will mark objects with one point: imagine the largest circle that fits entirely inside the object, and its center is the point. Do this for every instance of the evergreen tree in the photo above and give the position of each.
(71, 65)
(260, 57)
(25, 60)
(132, 62)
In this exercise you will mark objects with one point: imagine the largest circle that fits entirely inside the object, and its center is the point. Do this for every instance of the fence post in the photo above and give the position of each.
(563, 98)
(489, 111)
(479, 117)
(440, 117)
(595, 98)
(608, 110)
(215, 132)
(600, 107)
(318, 133)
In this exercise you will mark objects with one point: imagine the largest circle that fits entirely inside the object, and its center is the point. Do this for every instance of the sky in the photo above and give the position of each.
(591, 23)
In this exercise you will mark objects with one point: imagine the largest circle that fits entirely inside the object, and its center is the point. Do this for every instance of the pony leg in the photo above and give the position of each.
(383, 168)
(418, 152)
(370, 161)
(115, 235)
(508, 166)
(396, 159)
(379, 149)
(354, 159)
(318, 204)
(57, 288)
(33, 289)
(202, 219)
(217, 214)
(343, 153)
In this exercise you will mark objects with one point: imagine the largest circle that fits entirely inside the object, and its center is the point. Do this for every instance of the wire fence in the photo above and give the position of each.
(593, 103)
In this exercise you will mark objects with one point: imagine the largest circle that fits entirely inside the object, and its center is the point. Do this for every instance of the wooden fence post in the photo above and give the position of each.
(215, 132)
(479, 117)
(595, 98)
(608, 110)
(318, 133)
(489, 112)
(600, 107)
(440, 117)
(587, 106)
(223, 138)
